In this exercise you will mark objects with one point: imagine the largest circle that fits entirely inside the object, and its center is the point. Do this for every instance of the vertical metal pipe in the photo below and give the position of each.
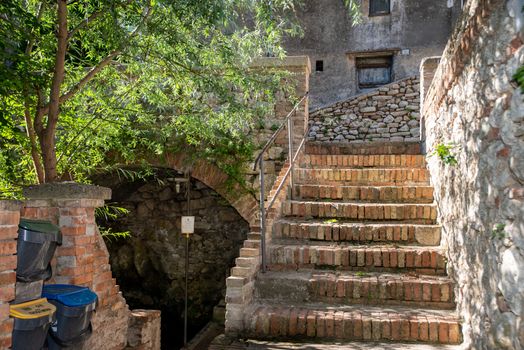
(290, 155)
(188, 198)
(185, 291)
(262, 216)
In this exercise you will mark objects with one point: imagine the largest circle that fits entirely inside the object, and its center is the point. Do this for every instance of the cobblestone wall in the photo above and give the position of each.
(389, 113)
(474, 105)
(150, 265)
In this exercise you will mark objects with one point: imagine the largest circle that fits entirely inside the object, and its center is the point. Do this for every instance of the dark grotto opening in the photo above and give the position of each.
(149, 265)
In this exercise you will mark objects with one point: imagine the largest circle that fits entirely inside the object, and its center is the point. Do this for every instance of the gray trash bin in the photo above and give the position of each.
(37, 241)
(32, 321)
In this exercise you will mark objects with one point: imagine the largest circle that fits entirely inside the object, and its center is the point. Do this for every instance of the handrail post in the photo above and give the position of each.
(262, 216)
(290, 155)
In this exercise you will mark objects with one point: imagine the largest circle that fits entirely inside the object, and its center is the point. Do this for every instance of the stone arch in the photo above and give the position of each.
(244, 203)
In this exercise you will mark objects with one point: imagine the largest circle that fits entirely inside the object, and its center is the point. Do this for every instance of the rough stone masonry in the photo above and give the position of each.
(389, 113)
(475, 106)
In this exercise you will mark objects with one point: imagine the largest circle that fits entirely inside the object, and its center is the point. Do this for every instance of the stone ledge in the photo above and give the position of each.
(67, 190)
(10, 205)
(286, 62)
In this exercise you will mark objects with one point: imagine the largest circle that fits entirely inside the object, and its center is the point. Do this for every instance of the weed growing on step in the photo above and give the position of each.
(445, 154)
(330, 221)
(361, 274)
(498, 231)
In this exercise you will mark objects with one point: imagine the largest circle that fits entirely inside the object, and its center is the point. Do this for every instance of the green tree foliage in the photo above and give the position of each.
(95, 84)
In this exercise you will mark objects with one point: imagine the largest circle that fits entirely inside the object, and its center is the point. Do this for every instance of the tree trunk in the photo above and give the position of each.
(47, 135)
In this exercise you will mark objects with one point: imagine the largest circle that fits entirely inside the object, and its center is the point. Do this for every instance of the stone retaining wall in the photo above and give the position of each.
(388, 113)
(473, 105)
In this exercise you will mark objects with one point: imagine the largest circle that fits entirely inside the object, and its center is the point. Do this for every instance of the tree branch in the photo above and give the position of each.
(35, 155)
(92, 17)
(102, 64)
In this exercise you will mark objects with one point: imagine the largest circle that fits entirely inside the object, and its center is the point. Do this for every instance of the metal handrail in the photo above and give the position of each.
(260, 162)
(280, 128)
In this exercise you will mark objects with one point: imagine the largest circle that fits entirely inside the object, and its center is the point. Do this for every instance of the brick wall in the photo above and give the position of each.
(83, 258)
(474, 105)
(9, 218)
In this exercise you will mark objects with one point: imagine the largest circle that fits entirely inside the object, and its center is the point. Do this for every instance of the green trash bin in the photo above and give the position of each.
(37, 242)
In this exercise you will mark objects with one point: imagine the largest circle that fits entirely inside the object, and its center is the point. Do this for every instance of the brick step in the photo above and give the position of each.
(356, 288)
(397, 194)
(363, 161)
(284, 255)
(253, 344)
(425, 213)
(357, 232)
(353, 323)
(367, 176)
(364, 148)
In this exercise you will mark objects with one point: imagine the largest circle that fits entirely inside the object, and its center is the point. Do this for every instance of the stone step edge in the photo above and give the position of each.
(367, 289)
(361, 211)
(425, 235)
(424, 260)
(381, 157)
(288, 323)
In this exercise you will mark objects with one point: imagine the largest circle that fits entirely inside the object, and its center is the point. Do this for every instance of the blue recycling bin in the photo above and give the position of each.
(74, 308)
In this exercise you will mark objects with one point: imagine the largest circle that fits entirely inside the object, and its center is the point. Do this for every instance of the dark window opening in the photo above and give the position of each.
(379, 7)
(319, 66)
(373, 71)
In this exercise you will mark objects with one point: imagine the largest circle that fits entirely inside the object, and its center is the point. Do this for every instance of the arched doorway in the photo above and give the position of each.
(149, 265)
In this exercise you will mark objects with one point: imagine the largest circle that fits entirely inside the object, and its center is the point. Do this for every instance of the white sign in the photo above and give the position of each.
(188, 224)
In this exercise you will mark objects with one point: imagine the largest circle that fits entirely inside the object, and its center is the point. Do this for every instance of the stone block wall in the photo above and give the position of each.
(388, 113)
(144, 330)
(474, 105)
(9, 218)
(240, 285)
(299, 69)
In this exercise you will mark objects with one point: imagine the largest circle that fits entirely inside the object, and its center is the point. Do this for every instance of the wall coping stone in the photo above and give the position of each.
(10, 205)
(289, 61)
(67, 191)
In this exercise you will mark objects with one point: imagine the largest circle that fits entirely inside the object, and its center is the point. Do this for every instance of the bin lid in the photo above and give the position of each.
(69, 294)
(32, 309)
(39, 226)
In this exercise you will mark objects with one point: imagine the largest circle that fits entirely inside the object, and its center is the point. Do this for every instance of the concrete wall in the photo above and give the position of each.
(474, 104)
(422, 26)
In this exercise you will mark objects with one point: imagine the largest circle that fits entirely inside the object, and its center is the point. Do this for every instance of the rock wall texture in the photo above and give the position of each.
(150, 265)
(474, 104)
(389, 113)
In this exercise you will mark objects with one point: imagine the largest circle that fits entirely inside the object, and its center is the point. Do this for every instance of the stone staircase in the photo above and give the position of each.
(356, 256)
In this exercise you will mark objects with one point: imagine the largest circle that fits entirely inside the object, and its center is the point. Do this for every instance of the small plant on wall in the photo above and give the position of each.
(445, 153)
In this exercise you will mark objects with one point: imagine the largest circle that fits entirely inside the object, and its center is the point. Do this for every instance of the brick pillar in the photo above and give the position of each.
(9, 219)
(241, 284)
(428, 67)
(83, 258)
